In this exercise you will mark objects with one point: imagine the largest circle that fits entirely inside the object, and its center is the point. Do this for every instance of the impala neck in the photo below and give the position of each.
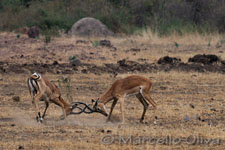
(105, 98)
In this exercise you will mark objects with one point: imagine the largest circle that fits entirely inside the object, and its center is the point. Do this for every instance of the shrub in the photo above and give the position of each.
(72, 58)
(121, 16)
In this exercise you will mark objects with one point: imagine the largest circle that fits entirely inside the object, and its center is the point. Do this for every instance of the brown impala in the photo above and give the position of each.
(133, 84)
(40, 87)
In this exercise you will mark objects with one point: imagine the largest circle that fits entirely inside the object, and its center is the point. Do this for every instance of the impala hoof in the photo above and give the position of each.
(39, 120)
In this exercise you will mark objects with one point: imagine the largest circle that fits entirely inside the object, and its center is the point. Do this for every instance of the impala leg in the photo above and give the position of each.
(60, 104)
(148, 98)
(122, 108)
(35, 102)
(153, 101)
(112, 107)
(46, 107)
(145, 105)
(63, 116)
(67, 107)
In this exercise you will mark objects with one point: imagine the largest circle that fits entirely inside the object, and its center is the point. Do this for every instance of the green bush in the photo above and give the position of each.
(72, 58)
(120, 16)
(95, 43)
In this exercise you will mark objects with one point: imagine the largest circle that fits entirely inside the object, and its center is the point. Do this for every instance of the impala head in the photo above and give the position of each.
(35, 76)
(99, 107)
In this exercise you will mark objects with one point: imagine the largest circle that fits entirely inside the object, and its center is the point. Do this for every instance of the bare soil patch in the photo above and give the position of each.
(189, 95)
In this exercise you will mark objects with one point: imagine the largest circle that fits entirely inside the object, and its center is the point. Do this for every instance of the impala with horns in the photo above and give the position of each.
(41, 88)
(121, 88)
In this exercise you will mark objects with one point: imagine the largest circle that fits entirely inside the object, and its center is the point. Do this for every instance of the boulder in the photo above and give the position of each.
(33, 32)
(169, 60)
(90, 27)
(204, 59)
(105, 43)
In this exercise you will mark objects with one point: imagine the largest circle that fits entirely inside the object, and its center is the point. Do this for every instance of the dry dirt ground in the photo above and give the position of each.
(190, 104)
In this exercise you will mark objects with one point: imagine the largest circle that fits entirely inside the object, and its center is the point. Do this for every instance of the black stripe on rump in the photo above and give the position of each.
(33, 85)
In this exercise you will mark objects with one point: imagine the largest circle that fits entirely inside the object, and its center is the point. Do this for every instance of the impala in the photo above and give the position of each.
(121, 88)
(41, 88)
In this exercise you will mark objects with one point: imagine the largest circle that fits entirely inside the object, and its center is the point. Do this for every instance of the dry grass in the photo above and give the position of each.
(184, 39)
(150, 45)
(173, 93)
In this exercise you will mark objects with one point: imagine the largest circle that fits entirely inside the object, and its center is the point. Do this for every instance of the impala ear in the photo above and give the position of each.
(92, 100)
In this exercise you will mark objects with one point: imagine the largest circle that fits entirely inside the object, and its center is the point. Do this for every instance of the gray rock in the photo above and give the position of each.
(33, 32)
(16, 98)
(186, 118)
(90, 27)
